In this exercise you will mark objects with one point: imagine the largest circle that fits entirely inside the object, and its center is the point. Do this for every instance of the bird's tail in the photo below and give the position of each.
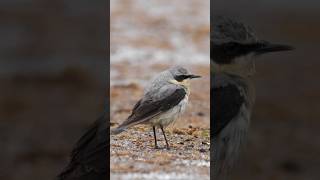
(122, 127)
(117, 130)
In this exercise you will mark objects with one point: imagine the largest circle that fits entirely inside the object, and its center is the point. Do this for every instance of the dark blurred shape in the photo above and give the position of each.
(89, 157)
(69, 77)
(12, 106)
(53, 79)
(285, 120)
(200, 114)
(291, 166)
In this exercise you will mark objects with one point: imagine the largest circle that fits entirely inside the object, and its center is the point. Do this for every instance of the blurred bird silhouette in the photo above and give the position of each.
(233, 50)
(89, 156)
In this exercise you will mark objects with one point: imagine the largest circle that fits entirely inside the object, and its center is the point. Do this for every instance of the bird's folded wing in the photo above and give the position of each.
(226, 102)
(153, 104)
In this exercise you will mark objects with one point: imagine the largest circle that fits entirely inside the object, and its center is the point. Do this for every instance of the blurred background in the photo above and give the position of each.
(146, 38)
(284, 132)
(53, 79)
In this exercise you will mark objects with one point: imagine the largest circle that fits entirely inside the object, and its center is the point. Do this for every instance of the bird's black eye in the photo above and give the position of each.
(180, 78)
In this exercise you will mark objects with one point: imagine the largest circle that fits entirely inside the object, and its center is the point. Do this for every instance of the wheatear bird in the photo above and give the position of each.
(232, 48)
(164, 100)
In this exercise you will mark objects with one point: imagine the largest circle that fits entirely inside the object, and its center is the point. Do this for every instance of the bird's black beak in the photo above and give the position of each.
(267, 47)
(194, 76)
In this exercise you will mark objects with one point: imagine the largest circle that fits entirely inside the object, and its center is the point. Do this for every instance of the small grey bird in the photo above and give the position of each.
(233, 47)
(164, 100)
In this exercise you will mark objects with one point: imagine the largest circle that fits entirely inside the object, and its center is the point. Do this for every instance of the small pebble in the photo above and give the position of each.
(200, 114)
(202, 150)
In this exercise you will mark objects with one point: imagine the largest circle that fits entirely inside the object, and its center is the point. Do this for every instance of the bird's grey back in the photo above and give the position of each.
(158, 81)
(225, 29)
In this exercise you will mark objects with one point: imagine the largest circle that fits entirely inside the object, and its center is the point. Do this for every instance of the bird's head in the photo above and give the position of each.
(232, 45)
(181, 76)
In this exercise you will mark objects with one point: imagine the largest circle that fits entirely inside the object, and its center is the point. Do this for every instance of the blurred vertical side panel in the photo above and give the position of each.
(284, 125)
(53, 84)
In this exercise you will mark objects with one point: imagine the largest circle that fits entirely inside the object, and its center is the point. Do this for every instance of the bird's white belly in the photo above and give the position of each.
(171, 115)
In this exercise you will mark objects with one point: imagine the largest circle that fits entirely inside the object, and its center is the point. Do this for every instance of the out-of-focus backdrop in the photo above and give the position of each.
(148, 37)
(53, 75)
(284, 133)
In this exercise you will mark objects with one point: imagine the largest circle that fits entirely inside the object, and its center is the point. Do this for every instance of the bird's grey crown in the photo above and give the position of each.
(179, 73)
(178, 70)
(225, 29)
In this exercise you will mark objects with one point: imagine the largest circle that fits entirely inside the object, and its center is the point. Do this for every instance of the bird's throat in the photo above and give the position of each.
(185, 84)
(243, 70)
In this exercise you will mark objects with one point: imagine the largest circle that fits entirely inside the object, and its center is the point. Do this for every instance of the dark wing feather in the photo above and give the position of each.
(226, 102)
(149, 106)
(89, 156)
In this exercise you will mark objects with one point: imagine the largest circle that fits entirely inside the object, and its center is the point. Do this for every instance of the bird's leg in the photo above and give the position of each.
(155, 137)
(165, 138)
